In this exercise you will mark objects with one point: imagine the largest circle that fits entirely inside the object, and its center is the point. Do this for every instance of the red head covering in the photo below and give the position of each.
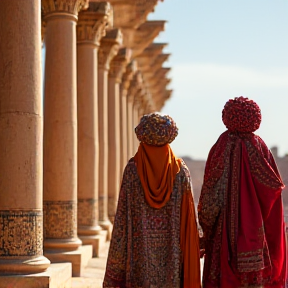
(242, 115)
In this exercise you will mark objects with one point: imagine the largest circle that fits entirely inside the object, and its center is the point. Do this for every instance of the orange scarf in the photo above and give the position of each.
(157, 167)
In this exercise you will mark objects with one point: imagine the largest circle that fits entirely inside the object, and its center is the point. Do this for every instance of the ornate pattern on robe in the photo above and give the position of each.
(241, 213)
(145, 247)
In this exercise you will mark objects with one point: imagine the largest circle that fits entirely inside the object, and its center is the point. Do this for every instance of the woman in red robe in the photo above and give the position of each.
(240, 207)
(155, 240)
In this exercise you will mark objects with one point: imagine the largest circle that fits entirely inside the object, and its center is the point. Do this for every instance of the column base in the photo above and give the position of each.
(24, 265)
(69, 244)
(78, 258)
(97, 241)
(57, 275)
(107, 226)
(88, 230)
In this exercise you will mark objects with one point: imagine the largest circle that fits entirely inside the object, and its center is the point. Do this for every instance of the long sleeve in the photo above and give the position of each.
(212, 192)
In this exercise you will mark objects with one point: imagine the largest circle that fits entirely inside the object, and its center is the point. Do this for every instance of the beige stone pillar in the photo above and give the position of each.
(108, 49)
(21, 132)
(117, 68)
(144, 103)
(136, 107)
(126, 80)
(130, 120)
(91, 28)
(60, 126)
(135, 123)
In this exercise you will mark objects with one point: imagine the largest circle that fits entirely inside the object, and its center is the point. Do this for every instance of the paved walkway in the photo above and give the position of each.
(93, 274)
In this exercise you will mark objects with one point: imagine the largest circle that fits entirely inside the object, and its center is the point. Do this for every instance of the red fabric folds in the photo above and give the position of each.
(245, 228)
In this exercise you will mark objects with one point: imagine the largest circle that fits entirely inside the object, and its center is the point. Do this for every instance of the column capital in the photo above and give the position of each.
(119, 63)
(157, 77)
(93, 22)
(162, 72)
(109, 47)
(147, 104)
(144, 36)
(131, 13)
(135, 85)
(149, 58)
(140, 96)
(150, 107)
(61, 7)
(155, 65)
(159, 84)
(162, 98)
(155, 48)
(43, 30)
(128, 76)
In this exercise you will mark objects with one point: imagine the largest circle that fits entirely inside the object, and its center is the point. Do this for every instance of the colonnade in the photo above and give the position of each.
(61, 164)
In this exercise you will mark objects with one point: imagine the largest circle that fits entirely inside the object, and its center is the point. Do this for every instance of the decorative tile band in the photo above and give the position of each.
(60, 219)
(87, 212)
(21, 233)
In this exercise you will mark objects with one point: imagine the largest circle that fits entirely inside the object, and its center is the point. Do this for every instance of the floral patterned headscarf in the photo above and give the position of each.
(156, 129)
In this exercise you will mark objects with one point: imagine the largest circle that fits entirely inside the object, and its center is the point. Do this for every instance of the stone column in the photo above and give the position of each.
(126, 80)
(108, 49)
(136, 107)
(135, 123)
(133, 89)
(60, 125)
(91, 28)
(117, 68)
(138, 97)
(21, 133)
(143, 104)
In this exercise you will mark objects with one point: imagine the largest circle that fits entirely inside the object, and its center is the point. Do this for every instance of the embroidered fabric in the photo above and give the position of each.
(239, 209)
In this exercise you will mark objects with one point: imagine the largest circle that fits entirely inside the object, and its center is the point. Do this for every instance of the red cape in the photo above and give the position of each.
(240, 211)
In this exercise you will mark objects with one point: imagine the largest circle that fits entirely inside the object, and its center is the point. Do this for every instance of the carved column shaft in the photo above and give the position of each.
(130, 127)
(133, 89)
(108, 49)
(126, 80)
(135, 123)
(90, 29)
(60, 125)
(21, 120)
(117, 68)
(123, 131)
(136, 107)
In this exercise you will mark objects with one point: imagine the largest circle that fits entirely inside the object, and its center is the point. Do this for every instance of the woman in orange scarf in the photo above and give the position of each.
(155, 237)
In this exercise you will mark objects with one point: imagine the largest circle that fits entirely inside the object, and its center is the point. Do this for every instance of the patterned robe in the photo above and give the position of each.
(145, 247)
(240, 211)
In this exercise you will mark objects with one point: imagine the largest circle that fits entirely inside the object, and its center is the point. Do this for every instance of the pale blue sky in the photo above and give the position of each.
(222, 49)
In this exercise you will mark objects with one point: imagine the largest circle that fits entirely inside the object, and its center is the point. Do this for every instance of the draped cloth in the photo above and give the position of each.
(240, 210)
(157, 168)
(155, 237)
